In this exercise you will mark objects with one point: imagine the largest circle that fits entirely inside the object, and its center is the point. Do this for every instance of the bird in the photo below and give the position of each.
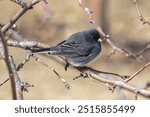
(78, 50)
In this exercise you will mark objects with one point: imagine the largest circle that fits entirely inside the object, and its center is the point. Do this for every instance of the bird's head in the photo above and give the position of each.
(94, 34)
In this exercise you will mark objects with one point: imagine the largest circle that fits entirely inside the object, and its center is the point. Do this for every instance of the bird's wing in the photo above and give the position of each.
(61, 42)
(73, 49)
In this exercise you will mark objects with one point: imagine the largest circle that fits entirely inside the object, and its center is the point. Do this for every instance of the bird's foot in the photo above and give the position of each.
(66, 66)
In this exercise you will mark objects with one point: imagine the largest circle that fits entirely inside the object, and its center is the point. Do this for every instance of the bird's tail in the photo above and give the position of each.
(43, 50)
(51, 50)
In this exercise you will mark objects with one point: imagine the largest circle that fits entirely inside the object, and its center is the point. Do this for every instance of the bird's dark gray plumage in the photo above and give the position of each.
(79, 49)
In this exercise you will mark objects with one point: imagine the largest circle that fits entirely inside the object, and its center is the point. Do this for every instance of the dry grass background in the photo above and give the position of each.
(67, 18)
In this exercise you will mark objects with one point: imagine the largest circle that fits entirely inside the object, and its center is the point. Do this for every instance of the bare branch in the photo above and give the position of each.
(100, 77)
(27, 58)
(91, 19)
(106, 37)
(48, 66)
(19, 14)
(26, 44)
(141, 18)
(8, 64)
(4, 81)
(18, 82)
(123, 51)
(16, 85)
(21, 86)
(139, 71)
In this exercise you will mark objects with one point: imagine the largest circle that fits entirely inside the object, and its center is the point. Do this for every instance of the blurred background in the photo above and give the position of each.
(59, 20)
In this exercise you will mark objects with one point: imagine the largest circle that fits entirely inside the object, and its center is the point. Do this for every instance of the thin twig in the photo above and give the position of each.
(21, 86)
(18, 82)
(106, 37)
(9, 68)
(123, 51)
(48, 66)
(19, 14)
(15, 81)
(27, 58)
(91, 18)
(108, 74)
(137, 72)
(28, 45)
(106, 77)
(141, 18)
(94, 74)
(2, 83)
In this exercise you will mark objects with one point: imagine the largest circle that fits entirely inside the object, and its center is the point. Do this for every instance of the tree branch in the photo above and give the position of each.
(19, 89)
(102, 78)
(106, 37)
(27, 45)
(3, 82)
(139, 71)
(48, 66)
(16, 85)
(141, 18)
(19, 14)
(9, 68)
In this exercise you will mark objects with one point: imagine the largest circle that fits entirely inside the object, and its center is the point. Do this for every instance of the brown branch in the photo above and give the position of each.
(18, 82)
(16, 86)
(48, 66)
(26, 44)
(123, 51)
(106, 37)
(4, 81)
(104, 77)
(24, 85)
(91, 19)
(20, 86)
(27, 58)
(9, 68)
(20, 13)
(139, 71)
(33, 44)
(106, 74)
(100, 77)
(141, 18)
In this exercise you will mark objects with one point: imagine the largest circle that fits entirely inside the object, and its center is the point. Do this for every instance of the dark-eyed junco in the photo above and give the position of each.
(78, 50)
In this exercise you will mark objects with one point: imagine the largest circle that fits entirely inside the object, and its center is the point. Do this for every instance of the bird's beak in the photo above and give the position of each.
(100, 40)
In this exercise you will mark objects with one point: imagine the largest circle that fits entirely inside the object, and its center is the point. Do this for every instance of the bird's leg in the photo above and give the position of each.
(66, 66)
(81, 75)
(77, 77)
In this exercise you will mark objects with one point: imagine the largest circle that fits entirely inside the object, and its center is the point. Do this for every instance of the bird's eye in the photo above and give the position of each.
(49, 53)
